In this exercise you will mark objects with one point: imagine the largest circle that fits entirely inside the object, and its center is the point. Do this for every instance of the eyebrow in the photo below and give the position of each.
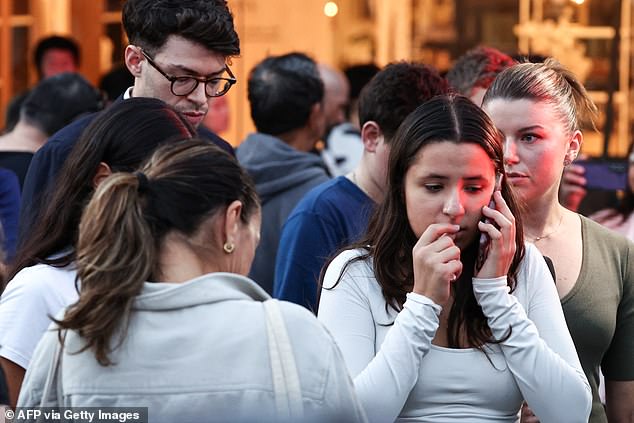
(530, 128)
(193, 72)
(442, 177)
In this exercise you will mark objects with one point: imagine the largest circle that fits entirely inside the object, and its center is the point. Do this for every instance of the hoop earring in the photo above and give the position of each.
(228, 247)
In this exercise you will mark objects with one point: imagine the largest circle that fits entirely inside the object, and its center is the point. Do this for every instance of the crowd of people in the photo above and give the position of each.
(390, 244)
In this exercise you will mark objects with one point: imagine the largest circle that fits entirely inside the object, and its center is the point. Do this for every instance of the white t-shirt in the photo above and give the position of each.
(344, 150)
(399, 374)
(34, 295)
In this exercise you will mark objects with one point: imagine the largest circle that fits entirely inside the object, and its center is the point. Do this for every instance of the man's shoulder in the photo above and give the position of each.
(211, 136)
(324, 200)
(326, 194)
(66, 137)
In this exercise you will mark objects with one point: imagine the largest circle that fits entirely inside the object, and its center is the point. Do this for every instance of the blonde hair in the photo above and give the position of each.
(549, 82)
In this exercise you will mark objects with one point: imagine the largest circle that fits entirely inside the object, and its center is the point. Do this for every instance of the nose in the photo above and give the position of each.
(453, 206)
(510, 151)
(198, 96)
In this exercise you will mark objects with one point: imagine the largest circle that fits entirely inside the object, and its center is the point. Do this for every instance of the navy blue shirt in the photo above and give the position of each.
(9, 210)
(329, 217)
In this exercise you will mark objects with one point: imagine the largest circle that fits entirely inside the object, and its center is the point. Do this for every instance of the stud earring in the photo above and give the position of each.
(567, 162)
(228, 247)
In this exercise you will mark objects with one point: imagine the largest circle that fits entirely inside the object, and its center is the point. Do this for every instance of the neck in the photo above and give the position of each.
(364, 179)
(179, 263)
(543, 220)
(300, 139)
(24, 137)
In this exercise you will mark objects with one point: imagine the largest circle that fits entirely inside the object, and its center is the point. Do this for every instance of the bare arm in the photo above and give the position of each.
(619, 399)
(14, 375)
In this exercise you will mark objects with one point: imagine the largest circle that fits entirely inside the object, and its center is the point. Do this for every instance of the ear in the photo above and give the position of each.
(371, 135)
(232, 221)
(103, 171)
(574, 146)
(317, 119)
(133, 59)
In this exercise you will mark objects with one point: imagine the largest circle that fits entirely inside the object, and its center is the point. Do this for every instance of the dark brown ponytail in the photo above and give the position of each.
(123, 226)
(115, 255)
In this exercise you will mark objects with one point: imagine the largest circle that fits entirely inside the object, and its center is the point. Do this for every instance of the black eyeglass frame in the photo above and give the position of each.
(173, 79)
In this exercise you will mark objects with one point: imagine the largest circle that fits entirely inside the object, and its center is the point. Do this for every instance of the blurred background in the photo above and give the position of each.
(592, 37)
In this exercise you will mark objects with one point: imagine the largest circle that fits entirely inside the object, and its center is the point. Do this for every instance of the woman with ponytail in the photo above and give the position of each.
(167, 319)
(42, 280)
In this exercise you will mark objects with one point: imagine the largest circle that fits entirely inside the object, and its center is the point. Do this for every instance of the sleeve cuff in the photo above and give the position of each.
(423, 300)
(490, 284)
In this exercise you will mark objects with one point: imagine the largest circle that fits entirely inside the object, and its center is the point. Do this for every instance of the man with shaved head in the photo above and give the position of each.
(342, 142)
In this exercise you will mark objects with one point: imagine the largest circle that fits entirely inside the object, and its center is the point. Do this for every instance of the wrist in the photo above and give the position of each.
(490, 284)
(418, 298)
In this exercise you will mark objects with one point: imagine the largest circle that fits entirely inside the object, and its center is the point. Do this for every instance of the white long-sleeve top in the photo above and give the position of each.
(399, 375)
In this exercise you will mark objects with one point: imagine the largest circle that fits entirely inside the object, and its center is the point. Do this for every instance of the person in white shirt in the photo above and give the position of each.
(43, 279)
(430, 332)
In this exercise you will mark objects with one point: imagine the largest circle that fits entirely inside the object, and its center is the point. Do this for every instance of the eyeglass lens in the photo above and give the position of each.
(213, 87)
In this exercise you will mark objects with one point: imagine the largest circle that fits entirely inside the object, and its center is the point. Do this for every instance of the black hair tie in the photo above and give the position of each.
(144, 183)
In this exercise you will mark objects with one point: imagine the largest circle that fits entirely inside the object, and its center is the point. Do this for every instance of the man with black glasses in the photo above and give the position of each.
(178, 53)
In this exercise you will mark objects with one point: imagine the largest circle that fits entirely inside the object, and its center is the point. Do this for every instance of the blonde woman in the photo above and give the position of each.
(540, 108)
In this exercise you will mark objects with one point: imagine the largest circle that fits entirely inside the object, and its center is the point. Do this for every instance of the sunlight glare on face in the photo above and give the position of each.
(449, 183)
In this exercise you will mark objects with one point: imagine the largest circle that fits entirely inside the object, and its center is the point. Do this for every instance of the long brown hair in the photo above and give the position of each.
(125, 222)
(389, 240)
(122, 136)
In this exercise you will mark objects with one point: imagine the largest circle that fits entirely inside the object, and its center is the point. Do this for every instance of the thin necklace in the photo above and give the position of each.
(548, 235)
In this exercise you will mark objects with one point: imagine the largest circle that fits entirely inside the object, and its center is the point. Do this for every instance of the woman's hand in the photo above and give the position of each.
(436, 261)
(527, 415)
(572, 189)
(502, 239)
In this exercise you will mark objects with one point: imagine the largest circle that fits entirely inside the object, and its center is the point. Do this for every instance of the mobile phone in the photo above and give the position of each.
(608, 175)
(485, 241)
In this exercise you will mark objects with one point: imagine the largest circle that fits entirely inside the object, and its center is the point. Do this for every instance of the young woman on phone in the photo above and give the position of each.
(426, 335)
(540, 108)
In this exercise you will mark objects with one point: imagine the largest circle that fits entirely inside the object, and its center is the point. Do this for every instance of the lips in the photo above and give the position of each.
(453, 235)
(194, 117)
(516, 177)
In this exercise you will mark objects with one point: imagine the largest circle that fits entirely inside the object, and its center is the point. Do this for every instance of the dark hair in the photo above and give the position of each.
(396, 91)
(58, 100)
(122, 136)
(359, 76)
(477, 68)
(547, 82)
(282, 91)
(148, 24)
(115, 82)
(12, 115)
(54, 42)
(456, 119)
(124, 224)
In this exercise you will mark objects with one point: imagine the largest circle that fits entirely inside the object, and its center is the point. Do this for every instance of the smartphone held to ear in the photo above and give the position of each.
(485, 240)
